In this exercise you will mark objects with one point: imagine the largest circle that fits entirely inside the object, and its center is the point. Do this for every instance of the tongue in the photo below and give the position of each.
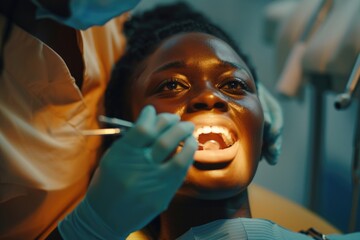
(213, 138)
(211, 145)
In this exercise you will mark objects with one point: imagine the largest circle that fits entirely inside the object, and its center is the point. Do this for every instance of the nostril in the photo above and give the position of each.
(200, 106)
(219, 105)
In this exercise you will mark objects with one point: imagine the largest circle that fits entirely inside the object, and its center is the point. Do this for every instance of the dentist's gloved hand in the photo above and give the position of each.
(136, 179)
(87, 13)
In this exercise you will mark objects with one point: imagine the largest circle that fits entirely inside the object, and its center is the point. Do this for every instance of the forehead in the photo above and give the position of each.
(194, 47)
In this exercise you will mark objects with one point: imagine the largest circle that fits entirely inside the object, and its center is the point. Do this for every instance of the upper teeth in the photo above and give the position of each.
(225, 133)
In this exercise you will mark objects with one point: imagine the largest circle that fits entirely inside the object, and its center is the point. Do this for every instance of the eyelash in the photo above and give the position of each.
(240, 82)
(179, 83)
(172, 81)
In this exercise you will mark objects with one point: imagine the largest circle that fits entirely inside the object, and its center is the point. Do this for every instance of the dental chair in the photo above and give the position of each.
(269, 205)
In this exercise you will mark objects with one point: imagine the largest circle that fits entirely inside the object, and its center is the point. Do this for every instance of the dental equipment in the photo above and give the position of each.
(123, 125)
(104, 131)
(343, 100)
(291, 77)
(332, 51)
(120, 124)
(355, 177)
(116, 122)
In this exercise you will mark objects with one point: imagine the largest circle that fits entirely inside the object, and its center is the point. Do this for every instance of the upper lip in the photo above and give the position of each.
(211, 119)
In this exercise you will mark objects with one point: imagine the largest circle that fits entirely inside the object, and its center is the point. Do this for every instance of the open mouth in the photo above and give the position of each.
(214, 137)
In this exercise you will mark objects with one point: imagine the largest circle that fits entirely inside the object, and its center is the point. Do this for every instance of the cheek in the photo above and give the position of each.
(250, 119)
(165, 105)
(137, 106)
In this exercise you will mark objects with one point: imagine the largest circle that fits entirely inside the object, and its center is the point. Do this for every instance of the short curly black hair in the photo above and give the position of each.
(144, 32)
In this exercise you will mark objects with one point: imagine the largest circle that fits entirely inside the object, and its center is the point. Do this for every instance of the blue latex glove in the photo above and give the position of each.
(87, 13)
(136, 179)
(272, 138)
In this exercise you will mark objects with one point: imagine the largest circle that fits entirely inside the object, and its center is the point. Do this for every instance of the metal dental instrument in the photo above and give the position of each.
(343, 100)
(116, 122)
(123, 125)
(104, 131)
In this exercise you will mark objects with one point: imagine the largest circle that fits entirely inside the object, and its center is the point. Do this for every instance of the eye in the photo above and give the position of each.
(235, 86)
(172, 85)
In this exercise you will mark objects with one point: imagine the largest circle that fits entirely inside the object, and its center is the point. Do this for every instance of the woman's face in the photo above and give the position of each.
(203, 80)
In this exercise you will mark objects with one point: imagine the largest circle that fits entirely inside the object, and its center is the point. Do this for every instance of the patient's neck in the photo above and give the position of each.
(185, 212)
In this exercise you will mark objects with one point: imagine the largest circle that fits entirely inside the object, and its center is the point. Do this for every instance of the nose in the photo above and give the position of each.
(207, 100)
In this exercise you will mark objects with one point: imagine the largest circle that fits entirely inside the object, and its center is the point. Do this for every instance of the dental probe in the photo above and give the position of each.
(103, 131)
(124, 125)
(116, 122)
(119, 123)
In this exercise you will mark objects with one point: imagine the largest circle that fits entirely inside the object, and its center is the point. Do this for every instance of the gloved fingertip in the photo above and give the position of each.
(188, 126)
(190, 146)
(170, 117)
(192, 142)
(183, 159)
(146, 114)
(148, 109)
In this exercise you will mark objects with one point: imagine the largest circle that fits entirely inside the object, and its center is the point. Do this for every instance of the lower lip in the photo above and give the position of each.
(217, 156)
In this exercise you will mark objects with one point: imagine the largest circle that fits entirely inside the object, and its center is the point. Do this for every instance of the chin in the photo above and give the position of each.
(210, 192)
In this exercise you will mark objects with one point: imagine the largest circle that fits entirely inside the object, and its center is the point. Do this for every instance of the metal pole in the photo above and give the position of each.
(355, 175)
(320, 84)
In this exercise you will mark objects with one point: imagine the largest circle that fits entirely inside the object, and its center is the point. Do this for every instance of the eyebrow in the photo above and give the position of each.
(176, 64)
(239, 67)
(182, 64)
(231, 64)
